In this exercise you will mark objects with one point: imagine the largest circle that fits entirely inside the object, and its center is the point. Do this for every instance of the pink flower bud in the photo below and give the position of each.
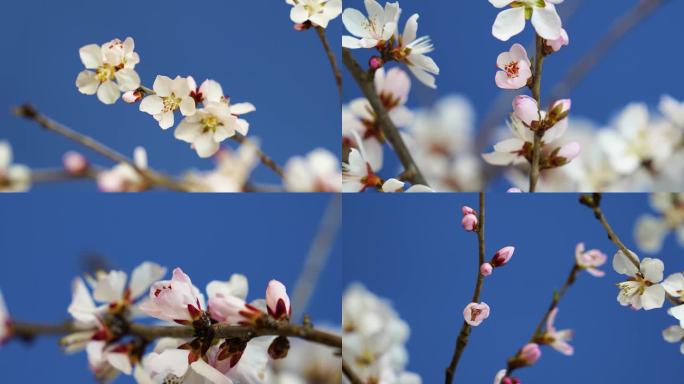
(277, 300)
(375, 62)
(526, 109)
(302, 26)
(474, 313)
(110, 181)
(561, 41)
(563, 105)
(132, 96)
(514, 190)
(486, 269)
(502, 256)
(510, 380)
(469, 222)
(570, 151)
(75, 163)
(232, 310)
(466, 210)
(530, 353)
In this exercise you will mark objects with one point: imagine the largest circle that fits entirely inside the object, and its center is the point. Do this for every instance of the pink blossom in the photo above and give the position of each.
(515, 68)
(474, 313)
(561, 41)
(75, 163)
(466, 210)
(486, 269)
(514, 190)
(526, 109)
(590, 260)
(277, 300)
(232, 310)
(558, 340)
(530, 353)
(174, 300)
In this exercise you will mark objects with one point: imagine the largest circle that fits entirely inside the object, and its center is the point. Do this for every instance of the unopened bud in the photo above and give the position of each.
(375, 63)
(132, 96)
(502, 256)
(486, 269)
(75, 163)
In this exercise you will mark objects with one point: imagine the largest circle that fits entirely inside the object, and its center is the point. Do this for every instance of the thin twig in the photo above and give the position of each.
(265, 159)
(464, 334)
(29, 112)
(350, 374)
(320, 31)
(220, 331)
(594, 203)
(536, 94)
(365, 82)
(538, 333)
(41, 176)
(317, 257)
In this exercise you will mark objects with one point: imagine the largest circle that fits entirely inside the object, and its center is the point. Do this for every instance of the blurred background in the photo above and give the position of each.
(44, 242)
(412, 250)
(248, 47)
(638, 68)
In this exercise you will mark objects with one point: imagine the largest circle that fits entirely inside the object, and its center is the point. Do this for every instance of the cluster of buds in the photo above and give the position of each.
(500, 258)
(470, 221)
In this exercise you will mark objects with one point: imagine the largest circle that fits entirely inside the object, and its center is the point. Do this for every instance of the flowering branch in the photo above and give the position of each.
(389, 129)
(153, 177)
(320, 31)
(536, 94)
(464, 334)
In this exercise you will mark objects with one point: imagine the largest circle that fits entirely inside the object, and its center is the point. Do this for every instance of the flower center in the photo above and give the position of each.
(105, 73)
(210, 123)
(512, 69)
(171, 103)
(474, 314)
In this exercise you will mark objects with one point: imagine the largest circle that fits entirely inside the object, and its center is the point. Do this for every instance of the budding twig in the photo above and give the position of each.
(365, 82)
(464, 334)
(536, 94)
(153, 177)
(320, 31)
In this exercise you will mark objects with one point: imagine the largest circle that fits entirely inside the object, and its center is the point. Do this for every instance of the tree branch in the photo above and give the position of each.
(350, 374)
(365, 82)
(220, 331)
(320, 31)
(464, 334)
(153, 177)
(263, 157)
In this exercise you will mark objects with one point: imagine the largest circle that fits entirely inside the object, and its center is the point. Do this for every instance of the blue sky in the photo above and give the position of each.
(43, 242)
(250, 48)
(639, 68)
(412, 250)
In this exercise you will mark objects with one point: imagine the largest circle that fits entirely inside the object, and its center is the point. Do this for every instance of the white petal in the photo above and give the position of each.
(188, 106)
(652, 269)
(110, 287)
(152, 104)
(205, 145)
(91, 56)
(623, 265)
(242, 108)
(108, 93)
(87, 82)
(210, 373)
(653, 297)
(546, 22)
(143, 276)
(509, 23)
(128, 79)
(162, 85)
(120, 361)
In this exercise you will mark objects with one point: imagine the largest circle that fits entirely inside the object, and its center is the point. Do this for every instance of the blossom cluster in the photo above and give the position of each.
(651, 230)
(374, 338)
(103, 305)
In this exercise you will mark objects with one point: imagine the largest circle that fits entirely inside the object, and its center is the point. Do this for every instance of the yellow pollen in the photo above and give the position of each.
(210, 123)
(105, 73)
(171, 103)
